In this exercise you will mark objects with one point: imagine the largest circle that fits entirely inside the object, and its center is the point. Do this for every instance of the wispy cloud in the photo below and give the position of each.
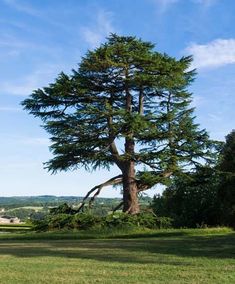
(25, 85)
(198, 101)
(165, 2)
(21, 6)
(215, 117)
(13, 46)
(10, 109)
(18, 165)
(24, 140)
(29, 9)
(205, 3)
(9, 41)
(97, 32)
(164, 5)
(36, 141)
(216, 53)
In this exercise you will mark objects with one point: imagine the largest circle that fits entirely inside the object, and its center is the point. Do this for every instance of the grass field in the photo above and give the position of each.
(14, 228)
(166, 256)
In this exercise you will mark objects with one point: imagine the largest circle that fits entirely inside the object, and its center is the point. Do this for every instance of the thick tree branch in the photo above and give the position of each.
(115, 154)
(118, 206)
(141, 101)
(112, 146)
(142, 186)
(112, 181)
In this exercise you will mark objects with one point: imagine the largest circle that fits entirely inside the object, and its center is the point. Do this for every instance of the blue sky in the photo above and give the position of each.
(39, 39)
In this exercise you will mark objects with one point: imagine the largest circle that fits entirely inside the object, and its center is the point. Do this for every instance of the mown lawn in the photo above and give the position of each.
(14, 228)
(167, 256)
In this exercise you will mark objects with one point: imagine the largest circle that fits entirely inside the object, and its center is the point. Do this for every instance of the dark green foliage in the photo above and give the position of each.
(121, 220)
(81, 221)
(85, 221)
(227, 163)
(62, 209)
(60, 221)
(37, 215)
(76, 109)
(192, 200)
(126, 105)
(54, 222)
(227, 183)
(144, 220)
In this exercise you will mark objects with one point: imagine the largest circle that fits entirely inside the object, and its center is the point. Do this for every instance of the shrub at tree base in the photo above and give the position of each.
(84, 221)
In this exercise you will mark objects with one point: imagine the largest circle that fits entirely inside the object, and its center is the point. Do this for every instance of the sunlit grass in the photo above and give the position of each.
(14, 228)
(166, 256)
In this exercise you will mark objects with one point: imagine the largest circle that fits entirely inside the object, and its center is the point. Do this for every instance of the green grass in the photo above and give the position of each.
(15, 228)
(36, 208)
(136, 256)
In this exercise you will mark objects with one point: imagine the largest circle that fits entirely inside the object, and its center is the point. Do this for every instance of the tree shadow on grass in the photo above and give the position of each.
(134, 250)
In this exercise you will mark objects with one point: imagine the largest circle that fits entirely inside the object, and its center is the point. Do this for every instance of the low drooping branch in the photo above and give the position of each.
(118, 206)
(97, 188)
(113, 181)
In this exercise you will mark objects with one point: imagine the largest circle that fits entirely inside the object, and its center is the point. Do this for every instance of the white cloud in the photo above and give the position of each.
(206, 3)
(165, 2)
(215, 117)
(11, 46)
(10, 109)
(24, 140)
(15, 165)
(102, 27)
(21, 6)
(35, 141)
(12, 42)
(216, 53)
(29, 9)
(163, 5)
(198, 101)
(25, 85)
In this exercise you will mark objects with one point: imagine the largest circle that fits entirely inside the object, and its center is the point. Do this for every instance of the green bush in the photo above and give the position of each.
(40, 225)
(164, 222)
(63, 209)
(145, 220)
(60, 221)
(85, 221)
(119, 220)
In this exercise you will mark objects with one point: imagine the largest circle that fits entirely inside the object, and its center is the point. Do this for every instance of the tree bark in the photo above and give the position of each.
(141, 102)
(130, 190)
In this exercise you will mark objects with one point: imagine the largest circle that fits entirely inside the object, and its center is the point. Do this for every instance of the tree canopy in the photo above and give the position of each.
(227, 180)
(126, 105)
(191, 200)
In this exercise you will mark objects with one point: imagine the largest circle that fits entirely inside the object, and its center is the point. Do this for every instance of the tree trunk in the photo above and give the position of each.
(130, 190)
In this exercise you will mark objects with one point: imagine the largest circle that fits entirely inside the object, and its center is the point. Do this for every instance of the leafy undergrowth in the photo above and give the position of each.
(128, 256)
